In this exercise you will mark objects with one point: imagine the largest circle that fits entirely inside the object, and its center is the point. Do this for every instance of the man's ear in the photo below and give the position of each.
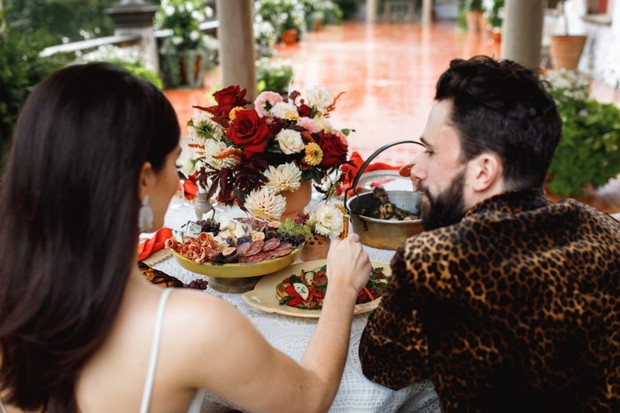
(147, 179)
(487, 172)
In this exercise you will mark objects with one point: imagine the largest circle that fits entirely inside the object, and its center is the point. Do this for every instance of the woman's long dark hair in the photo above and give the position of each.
(68, 223)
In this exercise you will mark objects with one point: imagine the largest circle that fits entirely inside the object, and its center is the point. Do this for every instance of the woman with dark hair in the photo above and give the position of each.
(93, 161)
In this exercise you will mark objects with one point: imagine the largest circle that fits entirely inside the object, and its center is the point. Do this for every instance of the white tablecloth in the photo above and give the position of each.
(291, 335)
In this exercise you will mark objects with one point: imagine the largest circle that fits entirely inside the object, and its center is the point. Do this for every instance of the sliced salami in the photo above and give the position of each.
(271, 244)
(243, 249)
(261, 256)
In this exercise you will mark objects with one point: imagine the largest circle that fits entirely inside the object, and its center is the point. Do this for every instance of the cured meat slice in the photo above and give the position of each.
(255, 247)
(271, 244)
(258, 257)
(243, 249)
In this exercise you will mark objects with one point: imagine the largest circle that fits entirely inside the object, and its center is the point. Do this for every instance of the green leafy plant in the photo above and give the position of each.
(495, 15)
(589, 150)
(282, 14)
(274, 76)
(475, 5)
(21, 69)
(129, 59)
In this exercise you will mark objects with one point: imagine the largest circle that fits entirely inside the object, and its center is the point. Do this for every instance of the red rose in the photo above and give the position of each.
(304, 110)
(228, 98)
(249, 131)
(334, 147)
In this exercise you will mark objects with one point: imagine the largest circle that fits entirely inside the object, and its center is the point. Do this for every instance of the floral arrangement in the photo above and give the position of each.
(274, 75)
(282, 14)
(251, 157)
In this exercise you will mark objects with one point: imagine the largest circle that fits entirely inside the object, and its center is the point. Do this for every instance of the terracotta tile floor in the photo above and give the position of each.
(388, 73)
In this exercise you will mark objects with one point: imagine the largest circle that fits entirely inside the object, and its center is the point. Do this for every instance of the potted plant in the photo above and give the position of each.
(474, 15)
(565, 48)
(286, 16)
(495, 19)
(588, 154)
(186, 53)
(273, 75)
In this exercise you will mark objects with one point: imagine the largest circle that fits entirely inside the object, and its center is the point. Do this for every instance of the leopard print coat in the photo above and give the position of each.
(515, 308)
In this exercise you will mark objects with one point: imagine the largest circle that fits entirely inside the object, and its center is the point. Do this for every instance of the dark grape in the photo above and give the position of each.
(295, 240)
(198, 284)
(209, 225)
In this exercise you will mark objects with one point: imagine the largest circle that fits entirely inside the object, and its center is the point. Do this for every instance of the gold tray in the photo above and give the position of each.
(239, 270)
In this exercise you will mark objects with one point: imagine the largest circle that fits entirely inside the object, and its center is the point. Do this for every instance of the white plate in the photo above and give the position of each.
(263, 296)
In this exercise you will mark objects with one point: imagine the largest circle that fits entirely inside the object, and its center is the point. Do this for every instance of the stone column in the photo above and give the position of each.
(522, 32)
(236, 37)
(371, 11)
(427, 11)
(136, 17)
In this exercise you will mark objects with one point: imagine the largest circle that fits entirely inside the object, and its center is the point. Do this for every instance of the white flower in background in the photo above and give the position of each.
(290, 141)
(194, 35)
(285, 177)
(169, 10)
(263, 203)
(214, 149)
(323, 124)
(329, 220)
(284, 110)
(188, 166)
(320, 98)
(265, 101)
(177, 40)
(308, 124)
(198, 16)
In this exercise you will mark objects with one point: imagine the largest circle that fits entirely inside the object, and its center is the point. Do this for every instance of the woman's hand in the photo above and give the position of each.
(347, 264)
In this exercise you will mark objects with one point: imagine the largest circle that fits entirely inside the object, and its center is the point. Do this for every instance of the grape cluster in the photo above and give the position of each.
(290, 238)
(209, 225)
(198, 284)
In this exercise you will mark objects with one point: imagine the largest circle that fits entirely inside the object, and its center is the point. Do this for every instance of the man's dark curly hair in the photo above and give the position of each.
(503, 107)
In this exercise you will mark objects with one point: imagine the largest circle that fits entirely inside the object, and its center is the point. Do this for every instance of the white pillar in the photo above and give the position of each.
(236, 35)
(427, 11)
(522, 32)
(371, 11)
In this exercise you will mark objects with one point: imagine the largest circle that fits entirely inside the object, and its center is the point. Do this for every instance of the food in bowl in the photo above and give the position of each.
(380, 207)
(307, 290)
(242, 240)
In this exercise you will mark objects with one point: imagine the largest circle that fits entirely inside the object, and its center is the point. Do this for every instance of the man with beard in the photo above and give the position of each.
(508, 302)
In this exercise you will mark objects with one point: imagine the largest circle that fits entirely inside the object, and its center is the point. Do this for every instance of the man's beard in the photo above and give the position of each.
(447, 208)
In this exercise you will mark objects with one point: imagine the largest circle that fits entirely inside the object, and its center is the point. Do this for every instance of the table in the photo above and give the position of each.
(291, 335)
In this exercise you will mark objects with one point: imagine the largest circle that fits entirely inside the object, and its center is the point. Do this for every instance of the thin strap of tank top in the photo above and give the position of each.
(2, 408)
(150, 376)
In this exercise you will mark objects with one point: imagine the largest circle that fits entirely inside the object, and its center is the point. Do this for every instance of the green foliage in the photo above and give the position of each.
(348, 7)
(282, 14)
(21, 69)
(128, 59)
(475, 5)
(184, 17)
(273, 76)
(495, 16)
(461, 20)
(589, 150)
(71, 20)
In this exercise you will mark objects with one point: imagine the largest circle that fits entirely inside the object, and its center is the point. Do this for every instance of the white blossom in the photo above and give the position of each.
(290, 141)
(214, 148)
(265, 204)
(320, 98)
(284, 177)
(285, 110)
(329, 220)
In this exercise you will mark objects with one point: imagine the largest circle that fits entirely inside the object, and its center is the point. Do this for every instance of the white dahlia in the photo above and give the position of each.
(262, 203)
(285, 177)
(290, 141)
(323, 124)
(213, 155)
(285, 110)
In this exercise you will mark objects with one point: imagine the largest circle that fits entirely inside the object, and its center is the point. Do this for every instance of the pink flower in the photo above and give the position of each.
(308, 124)
(265, 101)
